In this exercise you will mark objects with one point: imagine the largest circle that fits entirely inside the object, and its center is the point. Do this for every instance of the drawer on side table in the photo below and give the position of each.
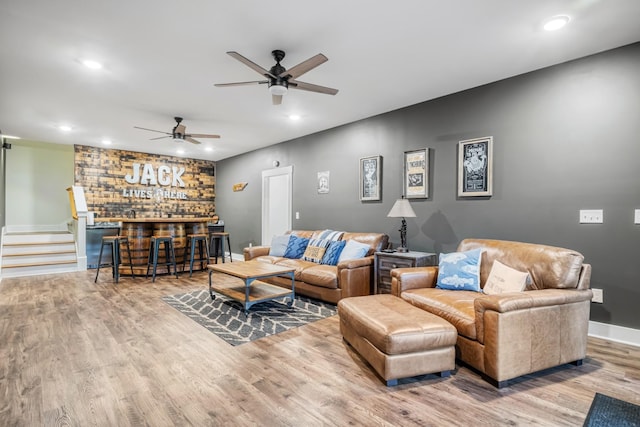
(385, 262)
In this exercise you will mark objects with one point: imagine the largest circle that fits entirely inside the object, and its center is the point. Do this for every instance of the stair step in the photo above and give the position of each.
(62, 242)
(16, 254)
(38, 264)
(22, 233)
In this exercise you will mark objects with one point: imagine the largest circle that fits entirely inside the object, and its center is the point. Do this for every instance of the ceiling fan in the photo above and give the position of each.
(279, 79)
(179, 133)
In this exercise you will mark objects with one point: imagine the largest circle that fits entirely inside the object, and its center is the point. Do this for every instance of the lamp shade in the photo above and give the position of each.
(401, 209)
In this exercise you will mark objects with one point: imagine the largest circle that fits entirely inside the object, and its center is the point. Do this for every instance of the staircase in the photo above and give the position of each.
(29, 253)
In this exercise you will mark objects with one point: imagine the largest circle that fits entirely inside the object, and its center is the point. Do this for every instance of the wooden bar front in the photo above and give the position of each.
(139, 231)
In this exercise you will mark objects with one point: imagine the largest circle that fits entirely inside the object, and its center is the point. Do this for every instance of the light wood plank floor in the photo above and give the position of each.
(77, 353)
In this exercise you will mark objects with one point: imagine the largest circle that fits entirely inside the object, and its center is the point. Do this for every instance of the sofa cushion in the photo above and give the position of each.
(353, 250)
(455, 307)
(325, 276)
(503, 279)
(299, 265)
(315, 250)
(296, 247)
(332, 254)
(279, 245)
(460, 271)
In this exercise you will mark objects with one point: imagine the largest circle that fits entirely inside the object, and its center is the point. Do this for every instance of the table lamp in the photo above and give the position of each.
(402, 209)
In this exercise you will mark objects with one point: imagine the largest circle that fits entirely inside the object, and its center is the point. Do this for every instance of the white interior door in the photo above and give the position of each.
(276, 202)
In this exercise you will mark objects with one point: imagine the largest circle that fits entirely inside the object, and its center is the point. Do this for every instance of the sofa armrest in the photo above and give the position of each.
(403, 279)
(354, 276)
(255, 251)
(511, 302)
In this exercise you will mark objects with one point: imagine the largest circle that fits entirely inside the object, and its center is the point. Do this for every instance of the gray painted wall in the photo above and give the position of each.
(565, 138)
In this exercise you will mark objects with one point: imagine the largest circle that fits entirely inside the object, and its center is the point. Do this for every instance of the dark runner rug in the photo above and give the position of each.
(607, 411)
(225, 317)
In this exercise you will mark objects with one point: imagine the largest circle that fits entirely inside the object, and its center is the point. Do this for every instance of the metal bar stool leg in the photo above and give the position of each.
(130, 259)
(228, 247)
(115, 261)
(99, 262)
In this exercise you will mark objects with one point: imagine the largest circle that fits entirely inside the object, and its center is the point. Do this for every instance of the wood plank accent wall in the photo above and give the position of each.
(102, 174)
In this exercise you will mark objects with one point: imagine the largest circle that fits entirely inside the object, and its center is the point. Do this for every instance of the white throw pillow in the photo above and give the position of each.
(503, 279)
(353, 250)
(279, 245)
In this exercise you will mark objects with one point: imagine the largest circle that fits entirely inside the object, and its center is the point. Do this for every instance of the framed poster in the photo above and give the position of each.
(416, 174)
(475, 167)
(370, 174)
(323, 182)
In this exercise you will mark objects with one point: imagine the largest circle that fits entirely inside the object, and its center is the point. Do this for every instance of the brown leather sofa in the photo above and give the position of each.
(329, 283)
(508, 335)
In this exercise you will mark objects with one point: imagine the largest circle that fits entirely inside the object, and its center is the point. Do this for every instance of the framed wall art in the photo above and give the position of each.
(416, 174)
(323, 182)
(475, 167)
(370, 178)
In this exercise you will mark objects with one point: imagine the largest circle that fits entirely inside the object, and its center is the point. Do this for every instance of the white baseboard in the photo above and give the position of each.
(615, 333)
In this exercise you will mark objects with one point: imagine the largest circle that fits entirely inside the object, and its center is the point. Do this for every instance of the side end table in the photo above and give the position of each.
(384, 262)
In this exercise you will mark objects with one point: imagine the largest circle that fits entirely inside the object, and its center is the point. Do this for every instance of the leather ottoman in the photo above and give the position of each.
(396, 338)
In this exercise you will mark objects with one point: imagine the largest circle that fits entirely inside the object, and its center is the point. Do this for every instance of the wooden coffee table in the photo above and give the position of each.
(254, 290)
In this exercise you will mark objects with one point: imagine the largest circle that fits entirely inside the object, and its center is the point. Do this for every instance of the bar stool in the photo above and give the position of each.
(114, 242)
(217, 241)
(201, 241)
(169, 252)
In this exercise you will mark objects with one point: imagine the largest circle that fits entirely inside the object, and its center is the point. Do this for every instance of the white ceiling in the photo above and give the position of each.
(161, 59)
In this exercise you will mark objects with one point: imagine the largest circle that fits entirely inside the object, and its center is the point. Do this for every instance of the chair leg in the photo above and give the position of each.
(191, 255)
(173, 259)
(229, 247)
(99, 262)
(130, 259)
(115, 262)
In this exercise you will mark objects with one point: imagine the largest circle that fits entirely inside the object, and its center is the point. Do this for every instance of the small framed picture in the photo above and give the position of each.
(323, 182)
(370, 175)
(475, 167)
(416, 174)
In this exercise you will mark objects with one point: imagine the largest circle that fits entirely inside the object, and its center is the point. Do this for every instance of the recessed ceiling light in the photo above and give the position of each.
(294, 117)
(65, 128)
(106, 142)
(180, 151)
(91, 64)
(208, 148)
(556, 22)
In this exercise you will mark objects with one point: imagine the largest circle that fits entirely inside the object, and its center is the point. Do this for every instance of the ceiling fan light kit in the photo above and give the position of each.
(279, 79)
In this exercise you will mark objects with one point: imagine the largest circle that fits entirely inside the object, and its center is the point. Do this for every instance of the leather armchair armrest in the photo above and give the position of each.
(403, 279)
(509, 302)
(255, 251)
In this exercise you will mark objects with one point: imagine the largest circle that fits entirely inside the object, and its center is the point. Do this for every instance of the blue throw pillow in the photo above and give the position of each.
(332, 254)
(353, 250)
(296, 247)
(279, 245)
(460, 271)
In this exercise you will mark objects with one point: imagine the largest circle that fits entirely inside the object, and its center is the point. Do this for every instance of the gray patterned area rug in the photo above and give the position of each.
(607, 411)
(225, 317)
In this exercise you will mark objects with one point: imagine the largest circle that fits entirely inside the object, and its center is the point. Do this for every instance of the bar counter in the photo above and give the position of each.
(140, 230)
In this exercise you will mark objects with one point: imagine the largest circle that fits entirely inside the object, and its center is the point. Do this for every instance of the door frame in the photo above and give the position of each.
(266, 174)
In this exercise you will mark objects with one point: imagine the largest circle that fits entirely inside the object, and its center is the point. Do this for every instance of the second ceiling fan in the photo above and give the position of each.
(279, 79)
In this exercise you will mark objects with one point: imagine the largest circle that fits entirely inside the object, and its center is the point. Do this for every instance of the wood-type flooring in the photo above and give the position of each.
(82, 354)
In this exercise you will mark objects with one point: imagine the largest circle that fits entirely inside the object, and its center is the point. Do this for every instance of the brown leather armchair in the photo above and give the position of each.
(508, 335)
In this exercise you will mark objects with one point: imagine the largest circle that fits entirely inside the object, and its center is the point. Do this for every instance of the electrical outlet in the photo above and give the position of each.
(297, 215)
(591, 216)
(598, 295)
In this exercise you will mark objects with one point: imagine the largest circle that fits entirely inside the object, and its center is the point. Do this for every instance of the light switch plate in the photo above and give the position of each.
(591, 216)
(636, 218)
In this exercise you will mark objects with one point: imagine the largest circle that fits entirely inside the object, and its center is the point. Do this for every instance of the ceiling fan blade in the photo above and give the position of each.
(293, 84)
(276, 99)
(152, 130)
(308, 65)
(191, 140)
(160, 137)
(249, 63)
(242, 83)
(201, 135)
